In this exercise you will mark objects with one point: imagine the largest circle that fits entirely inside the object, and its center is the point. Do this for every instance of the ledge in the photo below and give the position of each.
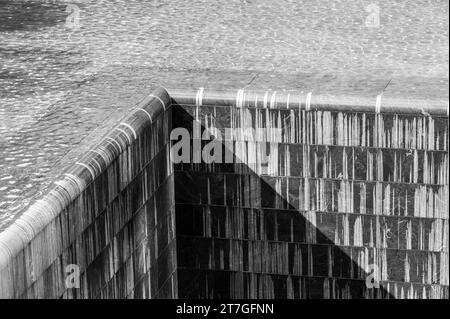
(310, 101)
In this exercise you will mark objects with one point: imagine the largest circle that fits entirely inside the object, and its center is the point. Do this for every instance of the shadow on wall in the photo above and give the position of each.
(256, 250)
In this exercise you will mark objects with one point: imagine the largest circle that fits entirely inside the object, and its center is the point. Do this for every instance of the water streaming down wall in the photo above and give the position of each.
(345, 188)
(111, 215)
(346, 185)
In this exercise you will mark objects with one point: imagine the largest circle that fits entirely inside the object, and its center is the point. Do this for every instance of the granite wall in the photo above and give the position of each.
(110, 217)
(347, 193)
(349, 189)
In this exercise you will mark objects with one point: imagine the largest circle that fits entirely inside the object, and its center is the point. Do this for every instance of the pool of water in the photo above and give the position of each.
(70, 69)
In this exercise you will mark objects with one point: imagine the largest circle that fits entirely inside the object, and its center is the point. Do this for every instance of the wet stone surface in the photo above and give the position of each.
(63, 83)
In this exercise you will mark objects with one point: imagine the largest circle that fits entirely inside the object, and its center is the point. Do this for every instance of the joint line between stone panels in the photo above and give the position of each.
(115, 159)
(363, 147)
(149, 163)
(313, 244)
(125, 262)
(296, 108)
(304, 211)
(332, 145)
(309, 276)
(310, 178)
(141, 206)
(173, 272)
(355, 180)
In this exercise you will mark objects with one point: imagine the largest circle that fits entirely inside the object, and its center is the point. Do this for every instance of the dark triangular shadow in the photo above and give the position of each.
(206, 198)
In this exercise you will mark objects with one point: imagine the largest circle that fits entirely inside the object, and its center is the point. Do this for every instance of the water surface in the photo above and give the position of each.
(62, 84)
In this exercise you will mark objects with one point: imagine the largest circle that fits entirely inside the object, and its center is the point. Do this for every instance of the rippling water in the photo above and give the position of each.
(63, 83)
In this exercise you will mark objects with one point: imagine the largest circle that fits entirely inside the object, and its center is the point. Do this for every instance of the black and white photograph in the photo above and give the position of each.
(227, 155)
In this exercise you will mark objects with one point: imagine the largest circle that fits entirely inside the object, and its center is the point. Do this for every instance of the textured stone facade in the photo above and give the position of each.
(348, 191)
